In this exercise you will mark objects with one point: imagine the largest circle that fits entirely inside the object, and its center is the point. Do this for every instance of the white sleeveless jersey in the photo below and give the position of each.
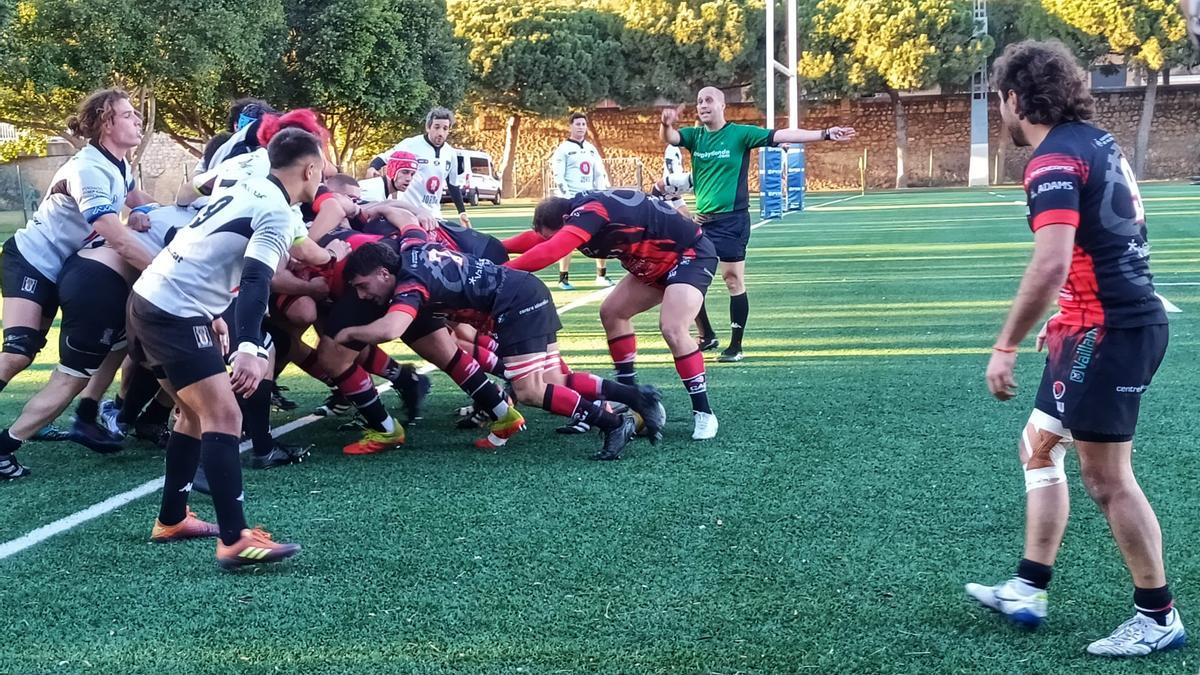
(91, 184)
(577, 168)
(436, 168)
(196, 273)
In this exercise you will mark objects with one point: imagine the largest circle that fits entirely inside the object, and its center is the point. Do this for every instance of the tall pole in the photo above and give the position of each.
(977, 172)
(770, 69)
(793, 84)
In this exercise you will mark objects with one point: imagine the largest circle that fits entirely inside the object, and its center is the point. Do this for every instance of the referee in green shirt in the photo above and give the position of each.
(720, 161)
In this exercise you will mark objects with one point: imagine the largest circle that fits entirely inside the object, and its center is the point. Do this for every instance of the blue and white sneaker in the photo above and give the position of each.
(1023, 604)
(1142, 635)
(108, 419)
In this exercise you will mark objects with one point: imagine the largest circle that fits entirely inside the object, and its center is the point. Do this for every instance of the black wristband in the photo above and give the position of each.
(825, 135)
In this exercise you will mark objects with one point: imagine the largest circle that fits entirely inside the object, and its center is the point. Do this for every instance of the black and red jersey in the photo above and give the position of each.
(435, 278)
(1078, 176)
(644, 233)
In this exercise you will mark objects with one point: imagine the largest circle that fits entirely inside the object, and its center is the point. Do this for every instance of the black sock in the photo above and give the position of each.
(739, 314)
(219, 452)
(703, 324)
(256, 417)
(1155, 603)
(567, 402)
(564, 277)
(141, 390)
(156, 413)
(3, 384)
(1034, 573)
(183, 456)
(602, 271)
(118, 402)
(8, 444)
(87, 410)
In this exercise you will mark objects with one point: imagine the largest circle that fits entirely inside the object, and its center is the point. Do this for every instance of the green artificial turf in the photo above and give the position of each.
(862, 474)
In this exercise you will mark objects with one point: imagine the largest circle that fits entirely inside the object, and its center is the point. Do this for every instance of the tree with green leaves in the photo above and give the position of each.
(1151, 35)
(540, 59)
(855, 47)
(179, 70)
(372, 67)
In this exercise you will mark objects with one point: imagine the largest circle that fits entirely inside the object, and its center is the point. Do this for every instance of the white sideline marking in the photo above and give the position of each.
(1169, 306)
(836, 201)
(115, 502)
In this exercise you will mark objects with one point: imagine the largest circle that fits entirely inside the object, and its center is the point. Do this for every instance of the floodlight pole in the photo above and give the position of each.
(977, 172)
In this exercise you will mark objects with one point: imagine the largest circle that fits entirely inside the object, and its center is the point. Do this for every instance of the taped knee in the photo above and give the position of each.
(24, 341)
(1044, 444)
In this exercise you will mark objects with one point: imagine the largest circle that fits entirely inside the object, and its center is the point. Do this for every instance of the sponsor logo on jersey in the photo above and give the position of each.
(1059, 389)
(585, 168)
(712, 154)
(1052, 185)
(1131, 390)
(433, 184)
(1083, 356)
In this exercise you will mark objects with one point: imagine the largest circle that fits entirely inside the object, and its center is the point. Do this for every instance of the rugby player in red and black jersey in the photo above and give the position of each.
(1104, 344)
(418, 278)
(669, 260)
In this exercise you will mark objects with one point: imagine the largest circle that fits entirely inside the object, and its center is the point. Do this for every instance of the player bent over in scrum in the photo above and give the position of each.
(670, 262)
(238, 240)
(430, 276)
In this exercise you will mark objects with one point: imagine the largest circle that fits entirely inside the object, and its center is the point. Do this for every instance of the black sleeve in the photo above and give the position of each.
(378, 163)
(253, 293)
(456, 195)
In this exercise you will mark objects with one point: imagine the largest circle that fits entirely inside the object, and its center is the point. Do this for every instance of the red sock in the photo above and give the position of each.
(586, 384)
(691, 371)
(623, 350)
(310, 365)
(378, 362)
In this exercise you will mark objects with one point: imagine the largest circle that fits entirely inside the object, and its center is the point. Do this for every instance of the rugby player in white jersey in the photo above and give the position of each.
(238, 240)
(83, 204)
(578, 167)
(438, 171)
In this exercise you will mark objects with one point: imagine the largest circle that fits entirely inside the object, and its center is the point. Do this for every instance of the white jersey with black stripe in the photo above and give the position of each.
(197, 273)
(93, 183)
(437, 167)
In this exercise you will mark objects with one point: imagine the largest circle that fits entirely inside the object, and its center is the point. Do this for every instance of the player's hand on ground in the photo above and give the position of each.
(338, 248)
(1000, 375)
(842, 134)
(138, 221)
(464, 219)
(221, 330)
(248, 371)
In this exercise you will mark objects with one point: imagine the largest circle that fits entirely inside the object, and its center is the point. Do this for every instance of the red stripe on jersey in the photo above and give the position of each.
(1055, 217)
(593, 207)
(401, 307)
(578, 231)
(321, 199)
(1056, 162)
(1078, 297)
(411, 286)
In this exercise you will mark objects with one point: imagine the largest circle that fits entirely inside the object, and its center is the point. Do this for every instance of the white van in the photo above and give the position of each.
(478, 177)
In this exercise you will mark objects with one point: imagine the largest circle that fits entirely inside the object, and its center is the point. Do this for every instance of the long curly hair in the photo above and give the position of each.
(93, 112)
(1051, 87)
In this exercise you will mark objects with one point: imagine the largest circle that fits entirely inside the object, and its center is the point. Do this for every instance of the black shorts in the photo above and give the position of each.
(93, 299)
(526, 320)
(1095, 377)
(696, 269)
(493, 250)
(272, 333)
(350, 310)
(181, 350)
(729, 232)
(19, 279)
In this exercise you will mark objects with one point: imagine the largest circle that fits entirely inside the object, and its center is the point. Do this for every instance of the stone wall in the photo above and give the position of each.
(938, 129)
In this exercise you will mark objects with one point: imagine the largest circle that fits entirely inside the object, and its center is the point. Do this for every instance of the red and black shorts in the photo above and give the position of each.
(696, 269)
(1095, 377)
(526, 320)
